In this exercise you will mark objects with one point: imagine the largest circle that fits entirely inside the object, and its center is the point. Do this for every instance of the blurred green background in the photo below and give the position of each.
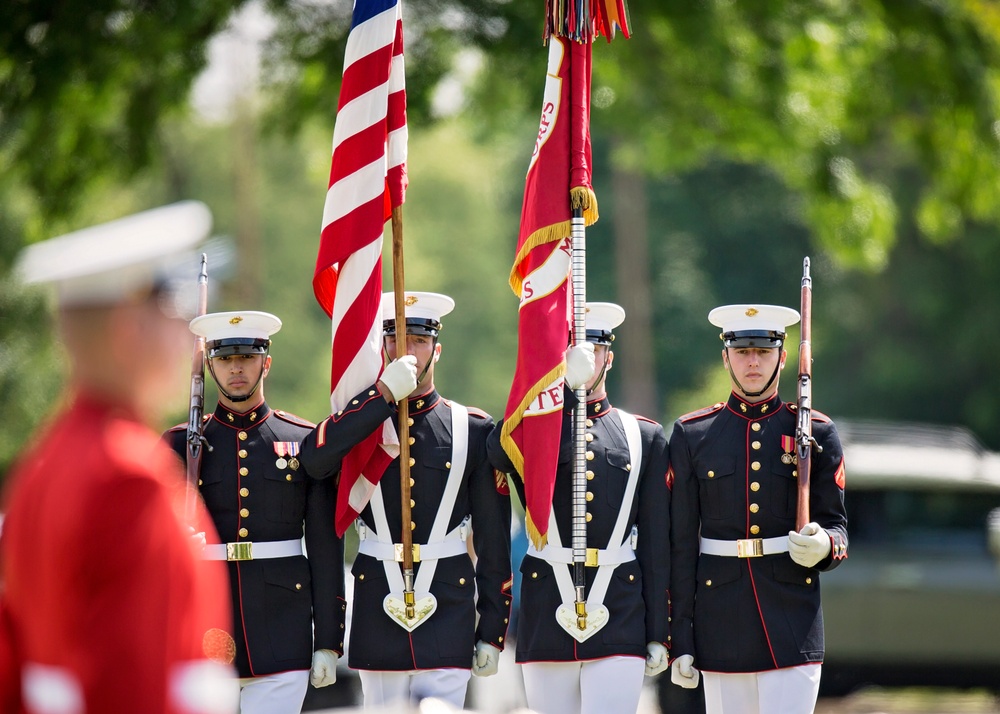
(730, 140)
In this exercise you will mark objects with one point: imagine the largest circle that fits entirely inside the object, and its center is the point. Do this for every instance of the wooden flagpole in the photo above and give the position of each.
(403, 405)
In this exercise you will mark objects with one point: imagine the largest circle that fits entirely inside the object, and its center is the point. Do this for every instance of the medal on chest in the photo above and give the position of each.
(788, 446)
(289, 449)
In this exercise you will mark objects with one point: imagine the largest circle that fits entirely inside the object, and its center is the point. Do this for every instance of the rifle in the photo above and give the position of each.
(195, 438)
(804, 439)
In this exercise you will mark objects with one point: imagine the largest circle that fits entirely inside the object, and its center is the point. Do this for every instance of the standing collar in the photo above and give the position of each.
(423, 403)
(754, 410)
(598, 407)
(242, 420)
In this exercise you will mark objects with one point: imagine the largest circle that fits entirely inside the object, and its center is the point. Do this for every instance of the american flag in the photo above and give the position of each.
(367, 180)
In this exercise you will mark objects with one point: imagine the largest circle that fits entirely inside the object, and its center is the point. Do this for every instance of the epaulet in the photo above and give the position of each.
(292, 419)
(474, 411)
(705, 411)
(816, 415)
(646, 419)
(820, 416)
(184, 425)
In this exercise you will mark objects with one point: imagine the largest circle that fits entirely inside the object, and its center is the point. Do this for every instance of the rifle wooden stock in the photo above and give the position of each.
(803, 432)
(195, 440)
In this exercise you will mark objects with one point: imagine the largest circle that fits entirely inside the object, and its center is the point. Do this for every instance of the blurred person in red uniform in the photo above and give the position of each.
(105, 603)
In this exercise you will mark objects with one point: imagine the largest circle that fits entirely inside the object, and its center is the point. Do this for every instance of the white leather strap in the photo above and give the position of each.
(253, 550)
(459, 455)
(598, 590)
(453, 544)
(746, 548)
(608, 556)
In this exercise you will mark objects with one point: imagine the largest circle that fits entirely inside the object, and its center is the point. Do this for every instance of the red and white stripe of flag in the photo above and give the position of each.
(367, 180)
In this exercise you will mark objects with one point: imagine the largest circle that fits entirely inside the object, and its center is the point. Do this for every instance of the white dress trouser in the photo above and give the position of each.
(281, 693)
(611, 685)
(382, 689)
(790, 690)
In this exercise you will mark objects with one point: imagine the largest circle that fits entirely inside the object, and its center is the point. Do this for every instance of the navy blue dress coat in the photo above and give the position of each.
(730, 482)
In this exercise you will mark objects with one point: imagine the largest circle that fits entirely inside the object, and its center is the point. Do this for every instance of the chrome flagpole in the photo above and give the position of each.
(578, 269)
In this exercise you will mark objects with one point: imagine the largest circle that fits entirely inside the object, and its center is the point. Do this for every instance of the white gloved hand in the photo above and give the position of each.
(197, 539)
(324, 668)
(809, 546)
(580, 364)
(657, 658)
(400, 376)
(486, 661)
(683, 672)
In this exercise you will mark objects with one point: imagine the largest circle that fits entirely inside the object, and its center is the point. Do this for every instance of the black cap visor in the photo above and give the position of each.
(600, 337)
(414, 326)
(237, 346)
(761, 339)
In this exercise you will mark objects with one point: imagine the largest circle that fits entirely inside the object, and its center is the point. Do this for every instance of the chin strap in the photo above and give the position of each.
(767, 386)
(227, 395)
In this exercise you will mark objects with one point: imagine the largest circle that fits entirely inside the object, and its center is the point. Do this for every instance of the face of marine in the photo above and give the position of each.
(752, 367)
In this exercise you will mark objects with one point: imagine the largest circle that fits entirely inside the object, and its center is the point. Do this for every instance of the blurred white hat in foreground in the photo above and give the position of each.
(113, 261)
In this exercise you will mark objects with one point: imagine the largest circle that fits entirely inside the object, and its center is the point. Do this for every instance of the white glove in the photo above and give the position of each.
(400, 376)
(486, 660)
(198, 539)
(324, 668)
(657, 658)
(683, 673)
(580, 364)
(809, 546)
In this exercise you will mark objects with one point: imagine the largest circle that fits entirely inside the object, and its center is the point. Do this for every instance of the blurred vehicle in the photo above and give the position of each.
(918, 600)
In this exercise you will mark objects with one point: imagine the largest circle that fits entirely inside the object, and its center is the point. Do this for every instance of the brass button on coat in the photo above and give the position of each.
(755, 486)
(244, 512)
(243, 532)
(243, 453)
(244, 492)
(242, 435)
(755, 466)
(755, 426)
(244, 471)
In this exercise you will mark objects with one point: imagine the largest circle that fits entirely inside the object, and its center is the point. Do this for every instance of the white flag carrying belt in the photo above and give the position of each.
(613, 556)
(426, 603)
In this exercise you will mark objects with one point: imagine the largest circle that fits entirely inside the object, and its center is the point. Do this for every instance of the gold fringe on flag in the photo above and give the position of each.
(579, 197)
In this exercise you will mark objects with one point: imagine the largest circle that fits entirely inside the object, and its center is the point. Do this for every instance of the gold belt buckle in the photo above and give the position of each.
(591, 560)
(399, 552)
(239, 551)
(750, 548)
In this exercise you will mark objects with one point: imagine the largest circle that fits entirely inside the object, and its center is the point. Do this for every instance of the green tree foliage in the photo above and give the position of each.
(863, 132)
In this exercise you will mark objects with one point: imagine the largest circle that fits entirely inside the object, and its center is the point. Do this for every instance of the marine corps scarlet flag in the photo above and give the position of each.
(558, 180)
(367, 180)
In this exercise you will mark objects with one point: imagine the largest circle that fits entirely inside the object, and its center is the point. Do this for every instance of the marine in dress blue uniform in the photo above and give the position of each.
(433, 659)
(746, 594)
(604, 672)
(289, 609)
